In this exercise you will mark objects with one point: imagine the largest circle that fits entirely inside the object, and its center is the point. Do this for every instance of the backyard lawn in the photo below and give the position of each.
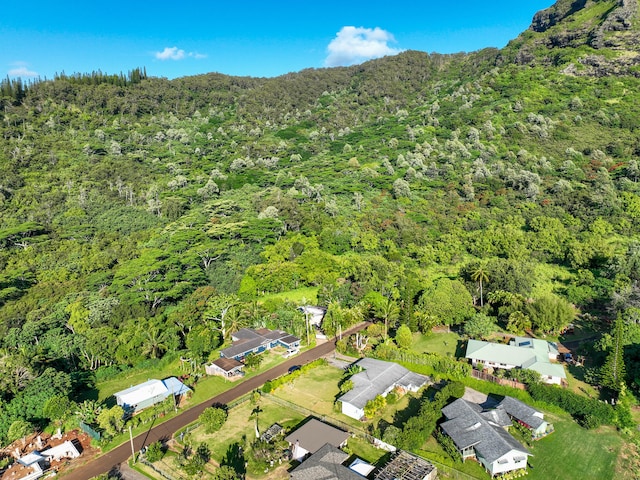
(443, 343)
(571, 452)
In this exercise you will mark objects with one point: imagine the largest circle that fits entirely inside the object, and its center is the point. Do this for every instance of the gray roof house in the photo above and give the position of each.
(311, 436)
(377, 378)
(529, 353)
(325, 464)
(526, 416)
(248, 340)
(477, 436)
(149, 393)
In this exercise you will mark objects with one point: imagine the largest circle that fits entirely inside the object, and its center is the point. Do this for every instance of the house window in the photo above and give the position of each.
(502, 461)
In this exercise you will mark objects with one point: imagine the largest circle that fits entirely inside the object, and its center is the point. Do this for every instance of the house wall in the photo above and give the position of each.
(508, 464)
(298, 453)
(352, 411)
(505, 366)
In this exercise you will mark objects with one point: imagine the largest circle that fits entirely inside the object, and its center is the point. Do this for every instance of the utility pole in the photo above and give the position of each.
(133, 452)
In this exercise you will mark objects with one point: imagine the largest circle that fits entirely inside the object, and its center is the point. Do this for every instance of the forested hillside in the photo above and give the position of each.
(140, 217)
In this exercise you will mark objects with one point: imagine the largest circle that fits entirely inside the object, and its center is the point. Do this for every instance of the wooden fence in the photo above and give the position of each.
(498, 380)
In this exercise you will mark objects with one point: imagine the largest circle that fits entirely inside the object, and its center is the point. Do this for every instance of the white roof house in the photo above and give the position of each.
(529, 353)
(377, 378)
(149, 393)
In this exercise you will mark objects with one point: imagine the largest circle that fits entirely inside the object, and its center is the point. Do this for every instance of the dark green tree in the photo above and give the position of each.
(613, 372)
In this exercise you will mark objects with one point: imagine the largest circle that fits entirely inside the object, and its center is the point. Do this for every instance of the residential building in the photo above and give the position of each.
(521, 352)
(248, 340)
(225, 367)
(311, 436)
(377, 378)
(526, 416)
(149, 393)
(483, 436)
(327, 463)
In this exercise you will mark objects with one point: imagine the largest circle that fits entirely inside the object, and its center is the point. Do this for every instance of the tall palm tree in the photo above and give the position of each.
(480, 275)
(154, 342)
(389, 312)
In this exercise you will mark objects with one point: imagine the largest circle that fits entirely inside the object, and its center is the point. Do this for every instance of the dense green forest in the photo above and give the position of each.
(140, 216)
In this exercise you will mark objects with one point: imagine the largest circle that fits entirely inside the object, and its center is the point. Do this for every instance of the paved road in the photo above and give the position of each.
(165, 430)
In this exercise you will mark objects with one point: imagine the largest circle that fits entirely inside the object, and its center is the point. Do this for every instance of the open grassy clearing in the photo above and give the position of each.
(308, 295)
(240, 428)
(571, 452)
(316, 390)
(441, 343)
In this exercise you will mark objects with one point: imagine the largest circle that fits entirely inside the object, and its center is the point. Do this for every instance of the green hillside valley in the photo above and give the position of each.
(432, 200)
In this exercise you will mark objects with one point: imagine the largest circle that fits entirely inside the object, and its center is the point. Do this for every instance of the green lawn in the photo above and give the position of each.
(571, 452)
(206, 388)
(363, 449)
(442, 343)
(308, 295)
(316, 390)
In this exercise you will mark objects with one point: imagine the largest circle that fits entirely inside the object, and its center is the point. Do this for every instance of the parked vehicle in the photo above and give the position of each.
(568, 357)
(291, 352)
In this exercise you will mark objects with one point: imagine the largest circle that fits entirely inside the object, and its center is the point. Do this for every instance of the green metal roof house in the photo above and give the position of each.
(521, 352)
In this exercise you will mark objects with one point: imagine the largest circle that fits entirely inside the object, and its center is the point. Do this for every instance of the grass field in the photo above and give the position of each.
(442, 343)
(308, 295)
(573, 453)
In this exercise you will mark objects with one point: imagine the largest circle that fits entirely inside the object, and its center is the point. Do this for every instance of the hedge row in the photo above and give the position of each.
(439, 365)
(588, 412)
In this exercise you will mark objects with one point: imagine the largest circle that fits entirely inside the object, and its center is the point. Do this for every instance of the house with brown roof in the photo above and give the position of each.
(225, 367)
(311, 436)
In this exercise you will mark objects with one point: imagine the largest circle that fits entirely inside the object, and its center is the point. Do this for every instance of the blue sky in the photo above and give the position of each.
(250, 38)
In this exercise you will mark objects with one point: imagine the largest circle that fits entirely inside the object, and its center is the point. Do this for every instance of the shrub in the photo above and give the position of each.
(213, 418)
(154, 452)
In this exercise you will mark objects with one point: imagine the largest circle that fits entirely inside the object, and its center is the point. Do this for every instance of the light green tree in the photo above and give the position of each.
(404, 337)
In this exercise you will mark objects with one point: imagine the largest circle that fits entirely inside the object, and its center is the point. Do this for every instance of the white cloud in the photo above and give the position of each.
(355, 45)
(22, 71)
(170, 53)
(175, 53)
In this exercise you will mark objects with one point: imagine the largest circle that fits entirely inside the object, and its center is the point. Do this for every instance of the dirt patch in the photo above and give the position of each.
(628, 464)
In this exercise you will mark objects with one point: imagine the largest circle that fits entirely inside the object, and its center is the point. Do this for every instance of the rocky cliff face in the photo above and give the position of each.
(609, 28)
